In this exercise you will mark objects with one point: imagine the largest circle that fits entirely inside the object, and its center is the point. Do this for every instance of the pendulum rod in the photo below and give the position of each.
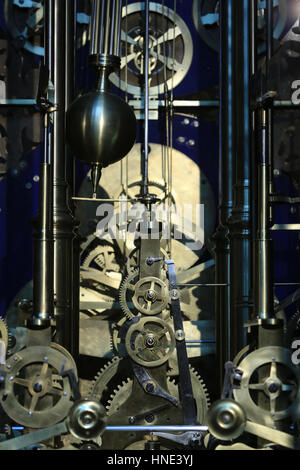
(146, 98)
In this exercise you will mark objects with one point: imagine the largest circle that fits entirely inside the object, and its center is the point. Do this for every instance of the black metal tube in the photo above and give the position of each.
(43, 294)
(240, 225)
(71, 10)
(226, 182)
(270, 120)
(146, 97)
(43, 266)
(63, 219)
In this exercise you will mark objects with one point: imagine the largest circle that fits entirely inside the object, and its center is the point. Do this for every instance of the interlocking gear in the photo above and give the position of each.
(150, 341)
(124, 390)
(151, 296)
(148, 296)
(126, 294)
(34, 394)
(269, 373)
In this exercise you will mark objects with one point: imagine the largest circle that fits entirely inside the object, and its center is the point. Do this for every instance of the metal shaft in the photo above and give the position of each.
(63, 219)
(71, 9)
(43, 266)
(263, 306)
(105, 28)
(240, 226)
(146, 95)
(226, 181)
(270, 120)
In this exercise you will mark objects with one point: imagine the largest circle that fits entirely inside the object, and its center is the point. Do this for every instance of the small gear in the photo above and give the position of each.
(150, 341)
(151, 295)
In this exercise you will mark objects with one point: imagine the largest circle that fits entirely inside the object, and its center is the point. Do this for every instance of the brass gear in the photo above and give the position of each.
(151, 295)
(150, 341)
(278, 376)
(127, 288)
(123, 391)
(100, 384)
(31, 376)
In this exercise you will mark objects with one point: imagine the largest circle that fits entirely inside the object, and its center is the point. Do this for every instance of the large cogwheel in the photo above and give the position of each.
(123, 391)
(104, 381)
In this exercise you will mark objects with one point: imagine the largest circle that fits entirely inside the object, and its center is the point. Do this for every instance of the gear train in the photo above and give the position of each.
(155, 305)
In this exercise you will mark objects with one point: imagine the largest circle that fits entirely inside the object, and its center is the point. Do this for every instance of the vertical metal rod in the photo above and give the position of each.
(117, 37)
(112, 27)
(108, 23)
(43, 289)
(146, 97)
(270, 120)
(226, 182)
(71, 9)
(63, 219)
(240, 226)
(264, 279)
(254, 148)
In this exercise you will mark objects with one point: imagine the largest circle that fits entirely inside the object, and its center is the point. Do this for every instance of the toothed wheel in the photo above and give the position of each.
(101, 384)
(150, 341)
(150, 295)
(123, 392)
(126, 295)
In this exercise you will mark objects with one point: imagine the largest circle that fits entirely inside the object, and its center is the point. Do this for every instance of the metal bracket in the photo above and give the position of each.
(150, 386)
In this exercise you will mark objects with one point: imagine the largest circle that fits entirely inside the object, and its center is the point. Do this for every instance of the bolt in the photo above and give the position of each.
(149, 387)
(11, 378)
(131, 420)
(8, 366)
(36, 178)
(150, 341)
(273, 387)
(45, 359)
(15, 358)
(87, 418)
(37, 387)
(149, 418)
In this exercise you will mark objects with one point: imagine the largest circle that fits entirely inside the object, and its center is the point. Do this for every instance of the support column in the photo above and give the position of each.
(240, 222)
(63, 219)
(226, 181)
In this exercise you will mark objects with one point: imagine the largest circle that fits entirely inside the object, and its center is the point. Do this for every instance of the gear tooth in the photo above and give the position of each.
(122, 294)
